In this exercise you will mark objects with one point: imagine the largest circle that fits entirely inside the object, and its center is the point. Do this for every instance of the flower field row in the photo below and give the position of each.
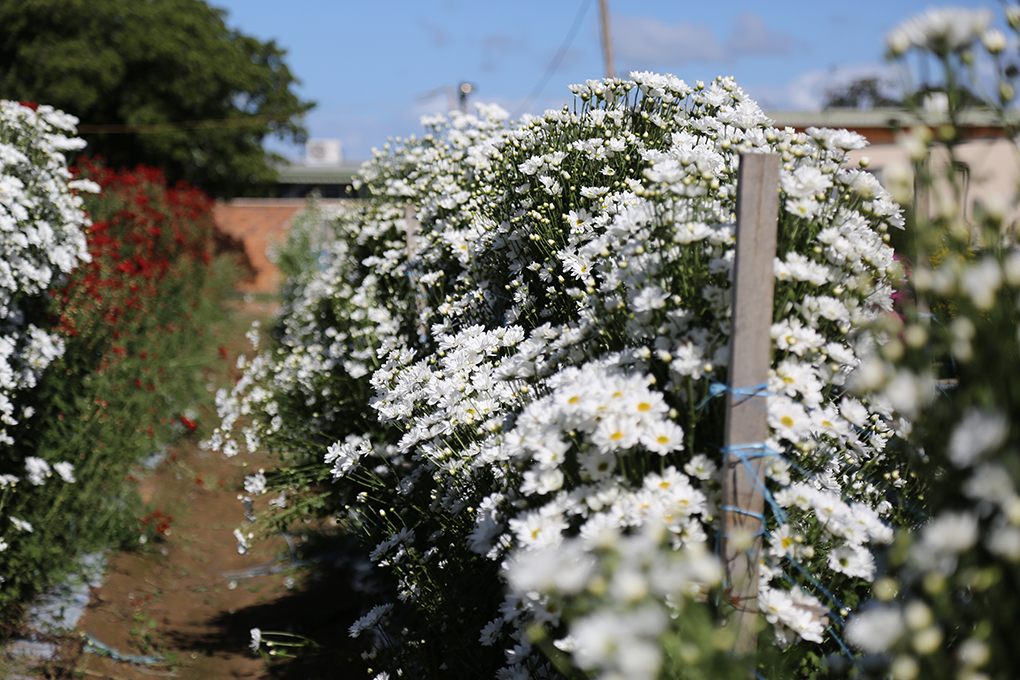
(518, 394)
(109, 285)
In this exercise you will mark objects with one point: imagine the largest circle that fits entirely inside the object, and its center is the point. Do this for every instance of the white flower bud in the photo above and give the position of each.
(897, 42)
(1013, 17)
(994, 40)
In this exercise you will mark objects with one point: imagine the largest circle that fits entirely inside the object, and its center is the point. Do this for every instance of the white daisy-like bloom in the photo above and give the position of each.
(949, 533)
(788, 418)
(344, 456)
(66, 471)
(242, 542)
(978, 432)
(616, 432)
(876, 629)
(370, 620)
(21, 525)
(38, 470)
(853, 561)
(648, 299)
(255, 484)
(539, 528)
(663, 437)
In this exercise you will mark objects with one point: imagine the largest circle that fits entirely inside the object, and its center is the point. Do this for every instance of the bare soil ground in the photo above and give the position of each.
(185, 601)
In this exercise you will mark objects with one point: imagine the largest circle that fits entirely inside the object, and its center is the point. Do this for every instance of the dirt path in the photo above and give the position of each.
(183, 605)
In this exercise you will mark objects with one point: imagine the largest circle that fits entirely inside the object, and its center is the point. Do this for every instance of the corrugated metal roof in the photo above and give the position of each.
(887, 118)
(306, 174)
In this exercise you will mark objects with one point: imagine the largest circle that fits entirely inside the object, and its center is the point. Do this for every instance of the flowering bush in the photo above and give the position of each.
(514, 391)
(42, 223)
(947, 604)
(129, 323)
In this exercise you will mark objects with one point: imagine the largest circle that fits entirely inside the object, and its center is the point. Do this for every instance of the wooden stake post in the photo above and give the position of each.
(411, 226)
(746, 424)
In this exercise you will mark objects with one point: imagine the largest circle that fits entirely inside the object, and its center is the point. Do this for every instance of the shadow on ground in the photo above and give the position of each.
(321, 608)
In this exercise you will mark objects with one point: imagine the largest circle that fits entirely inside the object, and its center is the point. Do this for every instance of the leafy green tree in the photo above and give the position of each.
(160, 82)
(862, 93)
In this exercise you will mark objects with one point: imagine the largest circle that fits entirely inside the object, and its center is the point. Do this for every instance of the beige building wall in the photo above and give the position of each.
(993, 170)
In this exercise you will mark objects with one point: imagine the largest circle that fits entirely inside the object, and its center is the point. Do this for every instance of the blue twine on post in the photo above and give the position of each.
(743, 393)
(759, 450)
(746, 453)
(815, 583)
(842, 645)
(757, 515)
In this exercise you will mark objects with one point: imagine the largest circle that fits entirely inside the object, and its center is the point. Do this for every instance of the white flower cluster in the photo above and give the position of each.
(550, 331)
(942, 30)
(42, 237)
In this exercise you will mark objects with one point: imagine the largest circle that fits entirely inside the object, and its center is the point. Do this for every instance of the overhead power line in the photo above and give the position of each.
(557, 58)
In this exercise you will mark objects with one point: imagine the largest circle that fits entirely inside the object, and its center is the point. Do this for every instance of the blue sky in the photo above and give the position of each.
(375, 67)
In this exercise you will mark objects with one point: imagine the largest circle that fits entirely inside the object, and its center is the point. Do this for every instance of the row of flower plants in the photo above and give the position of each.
(518, 396)
(109, 284)
(506, 373)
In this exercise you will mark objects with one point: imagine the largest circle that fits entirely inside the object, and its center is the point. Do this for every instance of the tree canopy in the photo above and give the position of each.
(870, 93)
(160, 82)
(861, 93)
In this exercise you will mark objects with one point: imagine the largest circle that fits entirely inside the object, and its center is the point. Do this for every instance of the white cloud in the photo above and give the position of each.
(646, 40)
(649, 41)
(751, 35)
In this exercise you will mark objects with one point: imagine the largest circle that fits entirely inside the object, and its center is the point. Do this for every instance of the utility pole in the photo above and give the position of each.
(607, 42)
(463, 91)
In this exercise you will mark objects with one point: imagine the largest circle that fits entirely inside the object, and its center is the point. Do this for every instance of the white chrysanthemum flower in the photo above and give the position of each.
(978, 432)
(876, 630)
(539, 528)
(66, 471)
(38, 470)
(22, 525)
(242, 542)
(788, 419)
(255, 484)
(370, 620)
(853, 561)
(663, 437)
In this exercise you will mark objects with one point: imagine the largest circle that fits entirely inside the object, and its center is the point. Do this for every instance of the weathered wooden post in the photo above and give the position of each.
(411, 229)
(750, 358)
